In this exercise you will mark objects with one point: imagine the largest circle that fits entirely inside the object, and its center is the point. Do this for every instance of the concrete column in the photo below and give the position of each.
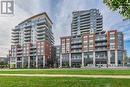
(69, 59)
(16, 63)
(28, 61)
(94, 58)
(109, 57)
(116, 58)
(124, 59)
(82, 59)
(36, 61)
(44, 61)
(22, 62)
(60, 60)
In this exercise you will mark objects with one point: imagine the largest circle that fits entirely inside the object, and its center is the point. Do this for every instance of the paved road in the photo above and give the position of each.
(63, 75)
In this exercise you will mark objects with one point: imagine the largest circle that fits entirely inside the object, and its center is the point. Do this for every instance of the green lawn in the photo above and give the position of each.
(62, 82)
(82, 72)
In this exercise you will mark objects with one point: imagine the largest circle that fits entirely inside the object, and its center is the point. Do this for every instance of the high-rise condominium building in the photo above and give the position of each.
(32, 42)
(88, 44)
(88, 21)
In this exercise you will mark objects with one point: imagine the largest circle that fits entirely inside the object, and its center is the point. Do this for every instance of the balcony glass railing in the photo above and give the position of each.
(33, 50)
(101, 57)
(19, 55)
(85, 16)
(34, 54)
(27, 39)
(85, 21)
(16, 32)
(74, 42)
(27, 36)
(40, 37)
(41, 33)
(40, 30)
(15, 38)
(76, 51)
(101, 44)
(27, 33)
(85, 28)
(27, 29)
(99, 39)
(15, 35)
(74, 27)
(100, 49)
(15, 41)
(41, 21)
(80, 46)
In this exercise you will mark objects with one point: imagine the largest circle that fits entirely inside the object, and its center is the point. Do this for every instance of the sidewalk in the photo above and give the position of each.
(63, 75)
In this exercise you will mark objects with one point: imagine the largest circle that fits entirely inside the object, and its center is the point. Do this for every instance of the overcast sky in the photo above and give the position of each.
(60, 12)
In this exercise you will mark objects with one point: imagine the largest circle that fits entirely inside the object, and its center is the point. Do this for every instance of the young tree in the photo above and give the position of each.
(123, 6)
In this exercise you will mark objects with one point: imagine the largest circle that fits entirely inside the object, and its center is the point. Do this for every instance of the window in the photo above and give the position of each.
(112, 35)
(112, 46)
(63, 40)
(91, 38)
(90, 43)
(112, 41)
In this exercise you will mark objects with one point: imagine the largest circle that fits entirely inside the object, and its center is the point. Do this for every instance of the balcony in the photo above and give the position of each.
(42, 27)
(28, 32)
(34, 54)
(15, 35)
(74, 29)
(85, 20)
(28, 26)
(85, 15)
(75, 21)
(77, 46)
(101, 44)
(27, 36)
(19, 52)
(98, 19)
(19, 49)
(27, 29)
(76, 42)
(76, 51)
(40, 37)
(15, 38)
(101, 49)
(99, 22)
(101, 39)
(27, 39)
(74, 25)
(41, 22)
(15, 41)
(33, 50)
(15, 32)
(40, 33)
(84, 27)
(101, 57)
(40, 30)
(99, 25)
(33, 47)
(99, 29)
